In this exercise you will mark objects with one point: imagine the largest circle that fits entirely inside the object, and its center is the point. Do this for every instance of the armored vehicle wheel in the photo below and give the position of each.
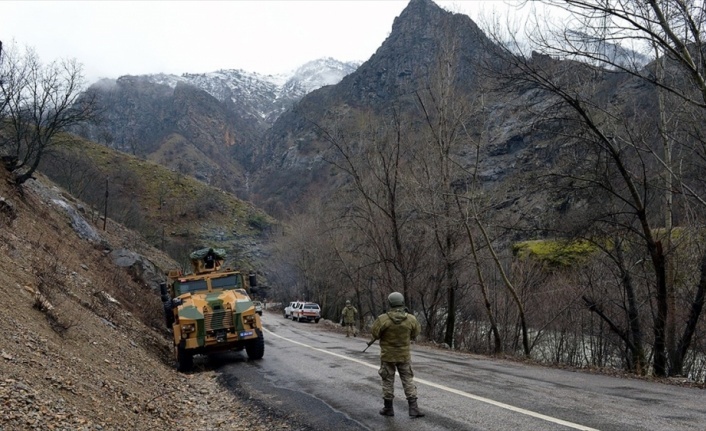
(185, 359)
(255, 348)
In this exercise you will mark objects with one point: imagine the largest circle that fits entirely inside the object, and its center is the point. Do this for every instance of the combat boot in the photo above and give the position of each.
(388, 410)
(414, 409)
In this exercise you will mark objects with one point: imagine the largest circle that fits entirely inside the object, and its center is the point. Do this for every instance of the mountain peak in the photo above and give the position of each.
(419, 35)
(418, 12)
(421, 4)
(426, 17)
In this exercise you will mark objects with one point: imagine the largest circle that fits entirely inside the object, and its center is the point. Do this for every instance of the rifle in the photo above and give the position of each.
(385, 326)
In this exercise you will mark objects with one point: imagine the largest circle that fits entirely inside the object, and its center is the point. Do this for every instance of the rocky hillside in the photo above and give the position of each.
(181, 127)
(84, 345)
(172, 211)
(216, 119)
(263, 98)
(294, 158)
(505, 120)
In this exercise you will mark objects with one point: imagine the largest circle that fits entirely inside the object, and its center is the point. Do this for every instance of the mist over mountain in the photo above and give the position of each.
(611, 52)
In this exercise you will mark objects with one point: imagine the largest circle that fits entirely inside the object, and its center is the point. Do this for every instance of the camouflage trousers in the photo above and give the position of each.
(350, 329)
(387, 372)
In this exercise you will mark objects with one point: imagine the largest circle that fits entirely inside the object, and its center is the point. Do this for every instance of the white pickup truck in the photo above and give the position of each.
(303, 311)
(288, 309)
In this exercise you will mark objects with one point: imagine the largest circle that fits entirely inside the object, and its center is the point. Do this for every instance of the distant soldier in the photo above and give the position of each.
(348, 318)
(395, 330)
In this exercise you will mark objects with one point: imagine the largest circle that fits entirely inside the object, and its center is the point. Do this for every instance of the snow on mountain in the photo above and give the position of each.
(264, 97)
(318, 73)
(164, 79)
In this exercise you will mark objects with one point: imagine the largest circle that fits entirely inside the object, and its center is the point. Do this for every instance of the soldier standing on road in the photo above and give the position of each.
(348, 318)
(395, 330)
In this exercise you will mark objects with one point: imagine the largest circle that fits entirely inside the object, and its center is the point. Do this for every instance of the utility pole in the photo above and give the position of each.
(105, 208)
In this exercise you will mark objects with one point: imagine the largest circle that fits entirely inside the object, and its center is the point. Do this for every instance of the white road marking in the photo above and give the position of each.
(448, 389)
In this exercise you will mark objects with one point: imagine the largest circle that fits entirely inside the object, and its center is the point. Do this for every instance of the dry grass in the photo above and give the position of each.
(84, 340)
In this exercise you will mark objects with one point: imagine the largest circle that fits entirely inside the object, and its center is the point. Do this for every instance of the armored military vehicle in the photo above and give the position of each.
(210, 310)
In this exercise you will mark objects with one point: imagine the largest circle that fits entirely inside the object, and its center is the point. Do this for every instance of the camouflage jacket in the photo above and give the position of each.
(395, 329)
(348, 314)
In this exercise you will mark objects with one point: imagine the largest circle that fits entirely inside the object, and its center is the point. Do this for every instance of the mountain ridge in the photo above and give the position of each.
(219, 116)
(265, 96)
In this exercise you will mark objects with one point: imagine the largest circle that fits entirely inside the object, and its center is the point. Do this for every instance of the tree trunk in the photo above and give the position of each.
(660, 320)
(451, 317)
(694, 313)
(638, 361)
(513, 293)
(498, 348)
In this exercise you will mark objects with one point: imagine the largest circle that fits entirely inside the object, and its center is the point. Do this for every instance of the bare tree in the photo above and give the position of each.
(308, 265)
(373, 159)
(71, 169)
(591, 43)
(37, 103)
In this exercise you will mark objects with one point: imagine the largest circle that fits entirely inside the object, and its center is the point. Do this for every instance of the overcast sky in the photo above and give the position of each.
(114, 38)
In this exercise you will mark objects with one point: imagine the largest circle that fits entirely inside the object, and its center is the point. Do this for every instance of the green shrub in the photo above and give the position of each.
(555, 252)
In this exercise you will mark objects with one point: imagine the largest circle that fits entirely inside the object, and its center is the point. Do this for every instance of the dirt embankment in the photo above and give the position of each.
(83, 345)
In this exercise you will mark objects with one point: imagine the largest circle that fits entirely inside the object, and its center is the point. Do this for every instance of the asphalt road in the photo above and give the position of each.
(322, 381)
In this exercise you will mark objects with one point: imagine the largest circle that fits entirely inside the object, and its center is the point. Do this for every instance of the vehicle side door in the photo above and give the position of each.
(299, 308)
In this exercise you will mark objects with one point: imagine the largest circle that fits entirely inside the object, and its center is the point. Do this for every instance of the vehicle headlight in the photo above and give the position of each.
(190, 327)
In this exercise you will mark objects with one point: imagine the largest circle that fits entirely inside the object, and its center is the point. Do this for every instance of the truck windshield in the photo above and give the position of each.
(183, 287)
(227, 282)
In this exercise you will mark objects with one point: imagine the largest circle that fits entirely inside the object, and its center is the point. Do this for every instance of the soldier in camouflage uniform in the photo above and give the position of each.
(348, 316)
(395, 330)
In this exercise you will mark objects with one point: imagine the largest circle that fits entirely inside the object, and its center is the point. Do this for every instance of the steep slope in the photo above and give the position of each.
(404, 62)
(173, 211)
(155, 120)
(84, 346)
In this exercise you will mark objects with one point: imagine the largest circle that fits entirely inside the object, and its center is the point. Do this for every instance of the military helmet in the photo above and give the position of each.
(348, 302)
(396, 299)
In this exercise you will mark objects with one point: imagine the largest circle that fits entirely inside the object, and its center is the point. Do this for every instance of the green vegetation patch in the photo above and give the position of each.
(555, 252)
